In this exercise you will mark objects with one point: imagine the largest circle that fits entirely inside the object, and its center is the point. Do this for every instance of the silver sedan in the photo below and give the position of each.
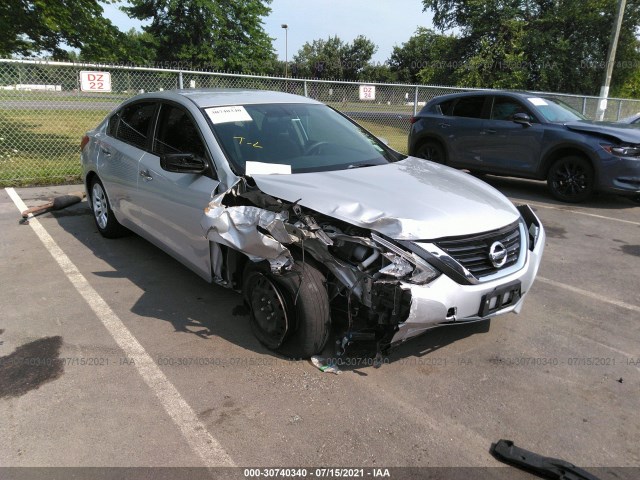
(318, 223)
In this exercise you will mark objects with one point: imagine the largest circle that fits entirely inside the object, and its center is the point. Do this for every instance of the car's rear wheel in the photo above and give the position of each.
(432, 151)
(106, 221)
(571, 179)
(289, 312)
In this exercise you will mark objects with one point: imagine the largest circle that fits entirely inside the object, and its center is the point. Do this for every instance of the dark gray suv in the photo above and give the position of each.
(529, 136)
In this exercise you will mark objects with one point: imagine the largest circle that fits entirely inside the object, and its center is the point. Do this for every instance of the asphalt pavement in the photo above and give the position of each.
(115, 355)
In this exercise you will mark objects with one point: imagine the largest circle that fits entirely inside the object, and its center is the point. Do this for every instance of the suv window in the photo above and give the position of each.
(176, 133)
(469, 107)
(444, 108)
(505, 108)
(134, 123)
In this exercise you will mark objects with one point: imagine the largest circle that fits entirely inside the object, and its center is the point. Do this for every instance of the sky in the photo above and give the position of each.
(386, 22)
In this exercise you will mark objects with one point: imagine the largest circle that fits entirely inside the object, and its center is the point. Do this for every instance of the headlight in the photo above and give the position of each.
(405, 266)
(622, 150)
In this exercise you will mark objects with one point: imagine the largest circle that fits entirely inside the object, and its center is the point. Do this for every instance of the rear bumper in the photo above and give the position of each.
(445, 301)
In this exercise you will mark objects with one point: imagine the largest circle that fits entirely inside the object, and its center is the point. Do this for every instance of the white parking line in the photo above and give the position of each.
(562, 209)
(586, 293)
(196, 434)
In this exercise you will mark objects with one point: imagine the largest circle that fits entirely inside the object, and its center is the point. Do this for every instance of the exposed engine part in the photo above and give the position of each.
(367, 262)
(366, 271)
(390, 302)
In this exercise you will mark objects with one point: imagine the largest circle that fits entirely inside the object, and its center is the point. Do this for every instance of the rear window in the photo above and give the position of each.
(133, 127)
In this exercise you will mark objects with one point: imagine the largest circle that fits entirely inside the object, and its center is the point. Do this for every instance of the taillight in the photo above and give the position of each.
(84, 142)
(413, 120)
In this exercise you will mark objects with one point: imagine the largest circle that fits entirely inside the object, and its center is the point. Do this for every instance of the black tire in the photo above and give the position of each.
(431, 151)
(106, 221)
(289, 313)
(570, 179)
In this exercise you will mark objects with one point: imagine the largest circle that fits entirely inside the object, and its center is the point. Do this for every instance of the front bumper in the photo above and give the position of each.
(620, 175)
(433, 305)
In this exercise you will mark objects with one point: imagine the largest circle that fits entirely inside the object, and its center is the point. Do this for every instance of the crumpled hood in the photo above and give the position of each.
(408, 200)
(624, 133)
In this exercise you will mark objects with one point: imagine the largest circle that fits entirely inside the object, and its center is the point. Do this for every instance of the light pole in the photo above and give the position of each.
(286, 48)
(611, 57)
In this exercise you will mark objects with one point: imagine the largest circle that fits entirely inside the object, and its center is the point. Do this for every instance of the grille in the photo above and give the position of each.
(472, 252)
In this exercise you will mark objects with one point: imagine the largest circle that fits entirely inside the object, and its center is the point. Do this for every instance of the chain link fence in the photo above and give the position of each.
(44, 112)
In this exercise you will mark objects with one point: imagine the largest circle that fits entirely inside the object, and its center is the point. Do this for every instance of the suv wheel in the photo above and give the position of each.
(431, 151)
(570, 179)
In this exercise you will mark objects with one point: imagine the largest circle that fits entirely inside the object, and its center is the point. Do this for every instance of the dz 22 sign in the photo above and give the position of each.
(95, 81)
(367, 92)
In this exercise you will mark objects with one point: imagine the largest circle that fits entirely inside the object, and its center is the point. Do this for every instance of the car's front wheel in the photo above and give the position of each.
(571, 179)
(432, 151)
(289, 312)
(106, 221)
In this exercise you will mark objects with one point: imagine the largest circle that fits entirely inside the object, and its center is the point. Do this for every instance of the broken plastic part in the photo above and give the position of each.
(398, 267)
(546, 467)
(324, 366)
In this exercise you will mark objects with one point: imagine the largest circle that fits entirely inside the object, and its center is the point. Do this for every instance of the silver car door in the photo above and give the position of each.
(119, 151)
(171, 205)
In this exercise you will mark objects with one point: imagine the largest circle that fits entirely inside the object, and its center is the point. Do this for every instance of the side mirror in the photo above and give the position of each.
(183, 163)
(522, 119)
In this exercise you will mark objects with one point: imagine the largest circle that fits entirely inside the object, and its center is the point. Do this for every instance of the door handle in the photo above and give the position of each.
(444, 125)
(105, 151)
(145, 175)
(490, 130)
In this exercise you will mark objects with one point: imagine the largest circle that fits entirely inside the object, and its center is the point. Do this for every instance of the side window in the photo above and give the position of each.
(444, 108)
(469, 107)
(505, 108)
(112, 126)
(176, 133)
(134, 123)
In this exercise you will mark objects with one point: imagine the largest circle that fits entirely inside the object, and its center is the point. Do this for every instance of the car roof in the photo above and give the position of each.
(213, 97)
(475, 93)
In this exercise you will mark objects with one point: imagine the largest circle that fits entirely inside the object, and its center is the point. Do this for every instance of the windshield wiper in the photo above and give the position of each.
(360, 165)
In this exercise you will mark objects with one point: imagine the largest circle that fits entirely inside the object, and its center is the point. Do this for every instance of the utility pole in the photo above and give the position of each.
(286, 48)
(611, 58)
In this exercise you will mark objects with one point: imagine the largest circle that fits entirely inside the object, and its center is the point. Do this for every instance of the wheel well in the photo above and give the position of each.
(87, 184)
(433, 140)
(563, 152)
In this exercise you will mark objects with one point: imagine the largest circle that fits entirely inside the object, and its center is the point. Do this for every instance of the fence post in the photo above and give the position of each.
(305, 89)
(180, 81)
(584, 105)
(619, 109)
(415, 102)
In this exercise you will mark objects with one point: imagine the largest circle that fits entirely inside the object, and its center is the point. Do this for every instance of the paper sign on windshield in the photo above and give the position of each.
(538, 102)
(261, 168)
(229, 114)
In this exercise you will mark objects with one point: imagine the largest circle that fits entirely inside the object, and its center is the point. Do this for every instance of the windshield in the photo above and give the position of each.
(555, 111)
(294, 138)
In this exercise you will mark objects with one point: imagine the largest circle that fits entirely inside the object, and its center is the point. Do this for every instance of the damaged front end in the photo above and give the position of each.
(366, 274)
(378, 289)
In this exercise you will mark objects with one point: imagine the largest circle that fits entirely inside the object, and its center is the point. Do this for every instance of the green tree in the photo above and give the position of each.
(211, 34)
(46, 26)
(335, 59)
(132, 47)
(538, 44)
(426, 57)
